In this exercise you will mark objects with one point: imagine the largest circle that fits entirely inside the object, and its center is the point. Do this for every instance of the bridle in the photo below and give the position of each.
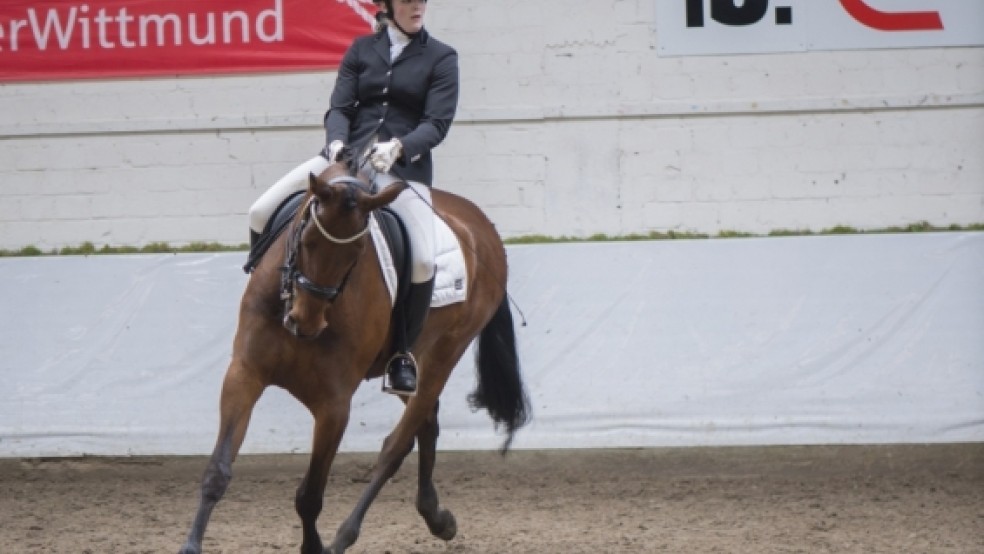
(292, 274)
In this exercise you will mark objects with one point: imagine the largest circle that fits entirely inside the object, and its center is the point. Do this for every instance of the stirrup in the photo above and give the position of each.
(388, 384)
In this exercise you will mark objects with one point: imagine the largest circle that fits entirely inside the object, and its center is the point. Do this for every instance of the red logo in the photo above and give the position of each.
(58, 39)
(892, 21)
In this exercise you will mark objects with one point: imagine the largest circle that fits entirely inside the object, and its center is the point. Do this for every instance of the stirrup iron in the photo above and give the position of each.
(387, 383)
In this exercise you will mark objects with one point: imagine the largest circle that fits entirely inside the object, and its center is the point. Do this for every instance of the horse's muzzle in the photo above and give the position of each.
(295, 329)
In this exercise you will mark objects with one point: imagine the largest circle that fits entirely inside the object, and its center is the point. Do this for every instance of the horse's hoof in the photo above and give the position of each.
(448, 527)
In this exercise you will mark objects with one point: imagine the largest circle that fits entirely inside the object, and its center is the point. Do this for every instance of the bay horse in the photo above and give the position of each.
(321, 328)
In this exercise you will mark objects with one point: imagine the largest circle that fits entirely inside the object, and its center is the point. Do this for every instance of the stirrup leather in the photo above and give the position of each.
(387, 383)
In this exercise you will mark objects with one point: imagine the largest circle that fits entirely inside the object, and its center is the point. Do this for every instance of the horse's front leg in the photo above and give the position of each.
(239, 395)
(329, 426)
(441, 522)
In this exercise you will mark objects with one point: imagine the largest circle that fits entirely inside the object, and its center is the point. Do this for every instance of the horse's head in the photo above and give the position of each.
(328, 237)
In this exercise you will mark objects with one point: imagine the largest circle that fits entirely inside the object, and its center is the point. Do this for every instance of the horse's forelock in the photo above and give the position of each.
(344, 195)
(350, 198)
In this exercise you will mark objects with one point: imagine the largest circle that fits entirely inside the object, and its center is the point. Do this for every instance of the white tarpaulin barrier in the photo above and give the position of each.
(849, 339)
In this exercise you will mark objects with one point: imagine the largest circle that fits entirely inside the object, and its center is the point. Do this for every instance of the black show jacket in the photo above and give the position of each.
(413, 99)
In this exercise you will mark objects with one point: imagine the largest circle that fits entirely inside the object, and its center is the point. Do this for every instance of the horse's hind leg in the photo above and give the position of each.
(440, 521)
(239, 395)
(395, 448)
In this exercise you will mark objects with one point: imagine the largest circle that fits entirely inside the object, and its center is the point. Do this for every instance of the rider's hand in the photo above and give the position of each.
(385, 154)
(334, 149)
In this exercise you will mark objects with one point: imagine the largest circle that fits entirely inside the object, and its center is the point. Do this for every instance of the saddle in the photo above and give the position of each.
(390, 226)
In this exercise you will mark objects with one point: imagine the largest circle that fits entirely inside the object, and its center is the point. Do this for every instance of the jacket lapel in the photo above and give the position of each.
(415, 48)
(382, 46)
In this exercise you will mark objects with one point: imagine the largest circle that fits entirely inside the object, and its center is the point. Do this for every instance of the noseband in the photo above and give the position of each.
(291, 273)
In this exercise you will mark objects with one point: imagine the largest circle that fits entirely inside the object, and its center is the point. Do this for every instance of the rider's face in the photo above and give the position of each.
(409, 14)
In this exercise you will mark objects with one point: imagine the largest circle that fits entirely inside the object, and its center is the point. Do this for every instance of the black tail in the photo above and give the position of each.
(500, 387)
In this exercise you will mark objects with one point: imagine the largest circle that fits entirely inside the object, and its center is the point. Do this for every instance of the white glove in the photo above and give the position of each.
(334, 149)
(385, 154)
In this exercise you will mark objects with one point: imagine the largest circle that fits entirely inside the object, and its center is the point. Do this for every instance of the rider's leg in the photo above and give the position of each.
(414, 208)
(294, 181)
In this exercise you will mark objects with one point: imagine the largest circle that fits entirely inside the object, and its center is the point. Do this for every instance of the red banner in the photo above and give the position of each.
(58, 39)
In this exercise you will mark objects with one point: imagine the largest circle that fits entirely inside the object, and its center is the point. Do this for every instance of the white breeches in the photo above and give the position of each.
(296, 180)
(412, 205)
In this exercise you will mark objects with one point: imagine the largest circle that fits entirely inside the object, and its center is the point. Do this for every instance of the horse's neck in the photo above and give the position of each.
(367, 277)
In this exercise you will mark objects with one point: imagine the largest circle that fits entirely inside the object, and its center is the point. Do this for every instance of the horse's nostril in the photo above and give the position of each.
(290, 324)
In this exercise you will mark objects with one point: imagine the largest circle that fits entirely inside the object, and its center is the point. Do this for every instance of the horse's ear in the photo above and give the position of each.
(316, 186)
(384, 196)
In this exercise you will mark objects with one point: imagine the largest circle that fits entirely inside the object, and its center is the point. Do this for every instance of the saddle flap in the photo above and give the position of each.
(279, 221)
(450, 279)
(393, 245)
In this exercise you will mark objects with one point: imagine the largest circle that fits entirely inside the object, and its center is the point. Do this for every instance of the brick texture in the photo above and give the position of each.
(569, 124)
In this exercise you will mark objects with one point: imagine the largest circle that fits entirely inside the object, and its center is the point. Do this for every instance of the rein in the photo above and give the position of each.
(291, 273)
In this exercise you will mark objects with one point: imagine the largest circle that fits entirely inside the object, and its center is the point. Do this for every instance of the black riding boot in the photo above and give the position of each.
(402, 368)
(251, 260)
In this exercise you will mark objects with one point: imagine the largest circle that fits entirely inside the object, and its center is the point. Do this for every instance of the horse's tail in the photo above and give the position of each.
(500, 387)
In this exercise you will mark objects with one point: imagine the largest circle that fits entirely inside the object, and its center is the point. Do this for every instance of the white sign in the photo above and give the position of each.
(695, 27)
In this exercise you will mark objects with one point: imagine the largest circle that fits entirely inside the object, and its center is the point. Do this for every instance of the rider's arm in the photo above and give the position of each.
(344, 98)
(439, 110)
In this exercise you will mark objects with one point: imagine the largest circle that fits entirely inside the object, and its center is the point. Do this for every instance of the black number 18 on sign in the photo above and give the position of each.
(729, 12)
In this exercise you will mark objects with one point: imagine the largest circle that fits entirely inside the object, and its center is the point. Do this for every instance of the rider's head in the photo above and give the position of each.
(406, 15)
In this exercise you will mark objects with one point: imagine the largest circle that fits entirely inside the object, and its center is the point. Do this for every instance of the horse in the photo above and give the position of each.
(321, 323)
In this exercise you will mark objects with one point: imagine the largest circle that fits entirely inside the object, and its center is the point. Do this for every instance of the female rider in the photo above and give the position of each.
(400, 85)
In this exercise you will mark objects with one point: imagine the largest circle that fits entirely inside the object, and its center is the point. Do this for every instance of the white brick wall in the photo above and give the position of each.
(569, 124)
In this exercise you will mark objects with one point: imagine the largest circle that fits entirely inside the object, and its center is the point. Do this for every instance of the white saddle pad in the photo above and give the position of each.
(451, 279)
